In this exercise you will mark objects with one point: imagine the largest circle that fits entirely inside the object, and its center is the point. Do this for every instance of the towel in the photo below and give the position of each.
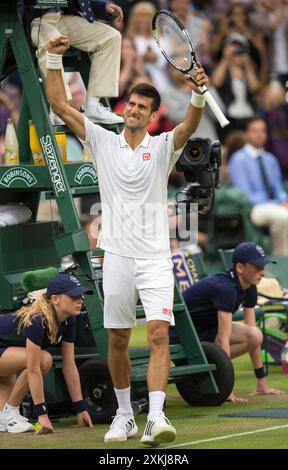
(13, 214)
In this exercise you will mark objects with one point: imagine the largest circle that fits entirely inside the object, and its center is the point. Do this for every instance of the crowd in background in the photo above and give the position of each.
(243, 46)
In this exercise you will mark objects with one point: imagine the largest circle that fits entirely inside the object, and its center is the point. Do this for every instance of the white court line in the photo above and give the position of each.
(221, 438)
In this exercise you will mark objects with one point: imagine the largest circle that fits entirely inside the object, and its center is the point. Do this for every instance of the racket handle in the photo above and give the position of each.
(223, 121)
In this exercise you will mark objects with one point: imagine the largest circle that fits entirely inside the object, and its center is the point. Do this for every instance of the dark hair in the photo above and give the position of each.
(253, 119)
(144, 89)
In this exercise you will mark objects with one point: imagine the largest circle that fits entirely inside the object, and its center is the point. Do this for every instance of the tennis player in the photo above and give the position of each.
(133, 170)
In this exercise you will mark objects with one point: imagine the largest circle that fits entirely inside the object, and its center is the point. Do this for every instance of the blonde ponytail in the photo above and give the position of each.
(42, 307)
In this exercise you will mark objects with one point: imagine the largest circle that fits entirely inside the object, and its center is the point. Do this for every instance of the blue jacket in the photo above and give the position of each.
(98, 7)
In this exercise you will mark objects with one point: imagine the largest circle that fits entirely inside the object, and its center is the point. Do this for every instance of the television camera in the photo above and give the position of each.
(200, 162)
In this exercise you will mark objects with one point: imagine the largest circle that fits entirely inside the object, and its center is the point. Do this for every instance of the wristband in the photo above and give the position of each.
(79, 406)
(198, 101)
(41, 409)
(260, 373)
(53, 61)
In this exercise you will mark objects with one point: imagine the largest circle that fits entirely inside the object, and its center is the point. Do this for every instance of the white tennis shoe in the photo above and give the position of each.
(2, 423)
(14, 422)
(121, 428)
(158, 430)
(99, 114)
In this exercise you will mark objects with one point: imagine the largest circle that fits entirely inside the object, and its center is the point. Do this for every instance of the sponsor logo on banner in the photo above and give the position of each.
(53, 165)
(181, 272)
(85, 171)
(17, 173)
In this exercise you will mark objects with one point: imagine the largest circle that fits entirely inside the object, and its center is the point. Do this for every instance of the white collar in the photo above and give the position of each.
(145, 142)
(252, 151)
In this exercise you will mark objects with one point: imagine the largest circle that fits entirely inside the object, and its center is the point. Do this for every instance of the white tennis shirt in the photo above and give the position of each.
(133, 190)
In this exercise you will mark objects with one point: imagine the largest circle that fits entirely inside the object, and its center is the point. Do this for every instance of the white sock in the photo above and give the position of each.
(124, 400)
(156, 403)
(91, 101)
(10, 408)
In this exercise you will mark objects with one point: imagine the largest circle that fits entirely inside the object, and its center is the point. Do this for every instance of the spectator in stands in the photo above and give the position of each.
(12, 89)
(176, 97)
(24, 337)
(128, 5)
(271, 17)
(131, 66)
(212, 301)
(199, 28)
(10, 102)
(275, 108)
(100, 40)
(237, 20)
(257, 173)
(139, 28)
(236, 81)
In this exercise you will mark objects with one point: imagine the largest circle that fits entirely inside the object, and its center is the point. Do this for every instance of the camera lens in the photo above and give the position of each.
(196, 153)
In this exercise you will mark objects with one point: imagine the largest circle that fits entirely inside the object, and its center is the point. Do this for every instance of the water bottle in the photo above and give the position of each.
(35, 145)
(284, 358)
(11, 154)
(62, 144)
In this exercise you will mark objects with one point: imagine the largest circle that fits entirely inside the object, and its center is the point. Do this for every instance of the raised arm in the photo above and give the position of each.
(184, 130)
(55, 87)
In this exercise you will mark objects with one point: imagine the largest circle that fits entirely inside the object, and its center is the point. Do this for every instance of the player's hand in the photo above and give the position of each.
(45, 425)
(200, 77)
(83, 419)
(58, 45)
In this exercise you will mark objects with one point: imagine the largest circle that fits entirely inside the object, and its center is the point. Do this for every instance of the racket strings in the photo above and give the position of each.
(174, 43)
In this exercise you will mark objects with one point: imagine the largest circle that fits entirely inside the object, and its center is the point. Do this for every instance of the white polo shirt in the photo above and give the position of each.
(133, 189)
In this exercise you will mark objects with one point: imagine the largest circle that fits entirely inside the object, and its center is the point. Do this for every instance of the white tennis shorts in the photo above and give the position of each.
(126, 279)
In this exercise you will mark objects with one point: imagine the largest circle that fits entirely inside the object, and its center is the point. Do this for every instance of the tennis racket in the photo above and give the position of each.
(175, 44)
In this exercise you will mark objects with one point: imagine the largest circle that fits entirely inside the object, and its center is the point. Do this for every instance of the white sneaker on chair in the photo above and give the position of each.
(158, 430)
(121, 428)
(14, 422)
(99, 114)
